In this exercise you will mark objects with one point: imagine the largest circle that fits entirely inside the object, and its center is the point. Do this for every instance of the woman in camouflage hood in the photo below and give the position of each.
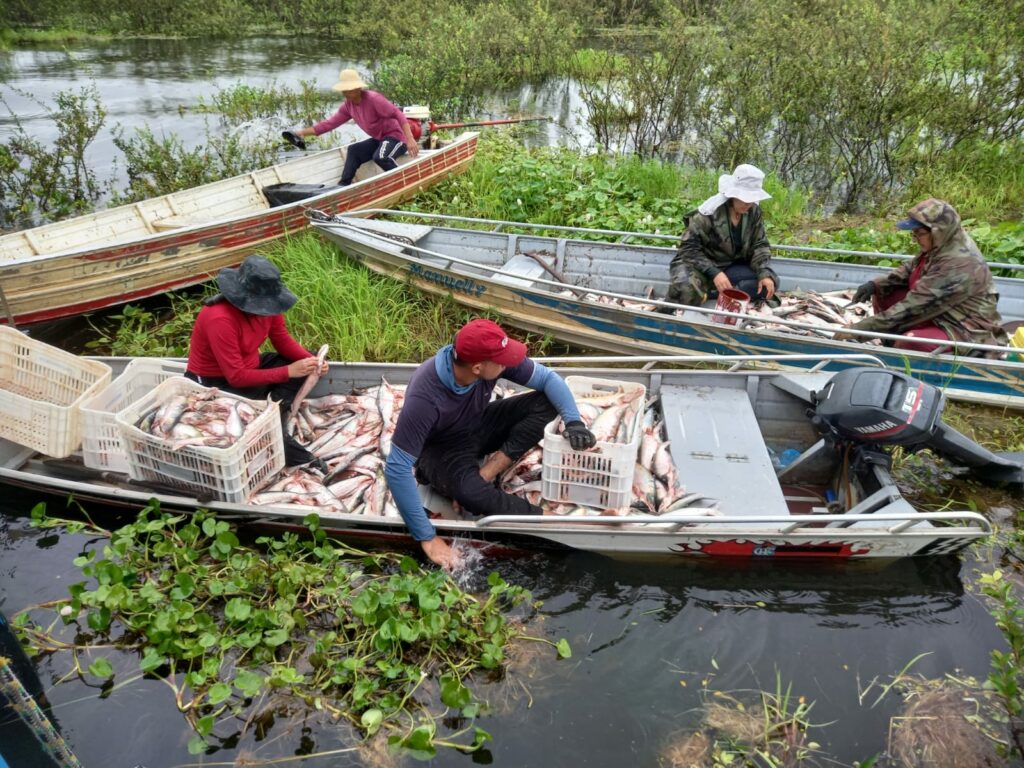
(945, 292)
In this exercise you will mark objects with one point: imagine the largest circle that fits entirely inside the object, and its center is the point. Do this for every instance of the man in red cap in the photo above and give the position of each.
(448, 423)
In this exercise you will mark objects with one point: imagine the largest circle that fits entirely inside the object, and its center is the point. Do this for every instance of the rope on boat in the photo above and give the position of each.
(28, 710)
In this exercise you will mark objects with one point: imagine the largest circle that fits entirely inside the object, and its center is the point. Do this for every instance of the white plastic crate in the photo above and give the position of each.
(603, 476)
(41, 389)
(102, 447)
(226, 474)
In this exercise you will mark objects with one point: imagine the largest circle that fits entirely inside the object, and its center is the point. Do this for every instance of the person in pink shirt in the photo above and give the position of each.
(224, 351)
(389, 130)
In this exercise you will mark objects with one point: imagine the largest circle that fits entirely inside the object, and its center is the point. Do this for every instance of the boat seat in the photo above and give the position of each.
(718, 449)
(177, 222)
(520, 270)
(803, 385)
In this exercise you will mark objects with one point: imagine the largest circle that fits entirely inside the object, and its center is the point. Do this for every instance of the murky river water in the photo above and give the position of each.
(158, 83)
(650, 642)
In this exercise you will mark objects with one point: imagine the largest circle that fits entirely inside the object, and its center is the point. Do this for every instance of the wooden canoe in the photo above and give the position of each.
(722, 426)
(133, 251)
(492, 266)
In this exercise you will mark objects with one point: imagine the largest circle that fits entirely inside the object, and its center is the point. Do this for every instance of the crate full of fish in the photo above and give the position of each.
(199, 439)
(41, 390)
(102, 446)
(602, 476)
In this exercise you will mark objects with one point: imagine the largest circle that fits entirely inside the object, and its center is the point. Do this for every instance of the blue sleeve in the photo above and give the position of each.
(402, 483)
(551, 384)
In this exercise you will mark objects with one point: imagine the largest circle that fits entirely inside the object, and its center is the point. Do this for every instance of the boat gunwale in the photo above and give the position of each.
(630, 525)
(627, 235)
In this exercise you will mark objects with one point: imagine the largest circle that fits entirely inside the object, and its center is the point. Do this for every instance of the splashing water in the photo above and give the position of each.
(470, 565)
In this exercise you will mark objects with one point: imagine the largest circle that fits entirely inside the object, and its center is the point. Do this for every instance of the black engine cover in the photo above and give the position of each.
(872, 405)
(282, 194)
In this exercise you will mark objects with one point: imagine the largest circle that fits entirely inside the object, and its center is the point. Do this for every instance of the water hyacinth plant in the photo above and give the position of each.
(370, 639)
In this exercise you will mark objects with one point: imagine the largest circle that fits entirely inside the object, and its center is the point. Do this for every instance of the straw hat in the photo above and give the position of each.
(349, 80)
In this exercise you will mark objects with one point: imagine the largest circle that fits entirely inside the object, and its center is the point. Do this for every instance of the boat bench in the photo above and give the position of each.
(718, 450)
(177, 222)
(520, 271)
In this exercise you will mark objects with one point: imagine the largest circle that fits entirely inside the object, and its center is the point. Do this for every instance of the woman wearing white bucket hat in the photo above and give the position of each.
(388, 129)
(725, 245)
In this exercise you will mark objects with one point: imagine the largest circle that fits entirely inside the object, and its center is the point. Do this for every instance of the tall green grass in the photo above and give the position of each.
(362, 316)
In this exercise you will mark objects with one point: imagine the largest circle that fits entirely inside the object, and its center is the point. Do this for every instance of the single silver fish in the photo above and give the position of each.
(310, 382)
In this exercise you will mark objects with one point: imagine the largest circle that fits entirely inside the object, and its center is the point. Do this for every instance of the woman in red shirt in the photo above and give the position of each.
(226, 339)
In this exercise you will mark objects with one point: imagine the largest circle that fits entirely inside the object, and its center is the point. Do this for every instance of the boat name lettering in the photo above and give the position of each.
(769, 551)
(132, 261)
(464, 284)
(871, 429)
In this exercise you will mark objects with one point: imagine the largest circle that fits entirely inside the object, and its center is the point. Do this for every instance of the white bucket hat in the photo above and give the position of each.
(744, 184)
(349, 80)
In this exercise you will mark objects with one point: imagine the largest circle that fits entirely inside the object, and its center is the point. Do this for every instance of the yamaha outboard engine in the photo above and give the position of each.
(883, 407)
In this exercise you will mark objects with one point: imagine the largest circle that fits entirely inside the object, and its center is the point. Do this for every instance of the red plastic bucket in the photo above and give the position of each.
(731, 300)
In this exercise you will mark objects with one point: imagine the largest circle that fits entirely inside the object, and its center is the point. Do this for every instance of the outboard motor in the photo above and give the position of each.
(883, 407)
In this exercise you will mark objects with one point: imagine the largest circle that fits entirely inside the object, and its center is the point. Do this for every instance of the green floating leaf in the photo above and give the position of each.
(371, 720)
(249, 683)
(453, 693)
(480, 737)
(204, 726)
(101, 668)
(564, 651)
(151, 660)
(238, 609)
(420, 743)
(218, 692)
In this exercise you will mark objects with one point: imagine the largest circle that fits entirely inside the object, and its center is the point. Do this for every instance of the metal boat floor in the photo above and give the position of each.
(718, 449)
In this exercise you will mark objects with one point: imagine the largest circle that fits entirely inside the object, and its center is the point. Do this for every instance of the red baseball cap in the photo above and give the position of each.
(481, 340)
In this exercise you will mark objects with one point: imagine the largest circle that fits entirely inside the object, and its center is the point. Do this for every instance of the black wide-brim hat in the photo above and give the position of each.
(256, 287)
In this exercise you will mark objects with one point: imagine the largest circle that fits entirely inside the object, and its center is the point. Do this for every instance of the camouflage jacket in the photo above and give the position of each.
(954, 291)
(706, 245)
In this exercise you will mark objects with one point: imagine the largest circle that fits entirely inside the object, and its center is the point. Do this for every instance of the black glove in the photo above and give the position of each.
(863, 293)
(580, 438)
(293, 138)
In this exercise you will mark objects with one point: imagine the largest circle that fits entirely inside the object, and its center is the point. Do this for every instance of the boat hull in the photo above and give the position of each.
(50, 286)
(570, 317)
(746, 526)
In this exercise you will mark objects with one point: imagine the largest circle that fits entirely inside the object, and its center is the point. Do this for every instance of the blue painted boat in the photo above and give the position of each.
(561, 281)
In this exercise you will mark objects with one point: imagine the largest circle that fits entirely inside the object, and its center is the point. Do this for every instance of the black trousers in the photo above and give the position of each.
(294, 453)
(383, 153)
(743, 277)
(451, 464)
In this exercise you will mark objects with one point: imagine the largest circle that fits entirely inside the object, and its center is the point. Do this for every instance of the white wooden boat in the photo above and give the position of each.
(133, 251)
(836, 500)
(577, 294)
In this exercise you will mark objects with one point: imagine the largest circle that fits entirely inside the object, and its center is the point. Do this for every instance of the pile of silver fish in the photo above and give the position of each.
(656, 485)
(205, 418)
(823, 313)
(352, 434)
